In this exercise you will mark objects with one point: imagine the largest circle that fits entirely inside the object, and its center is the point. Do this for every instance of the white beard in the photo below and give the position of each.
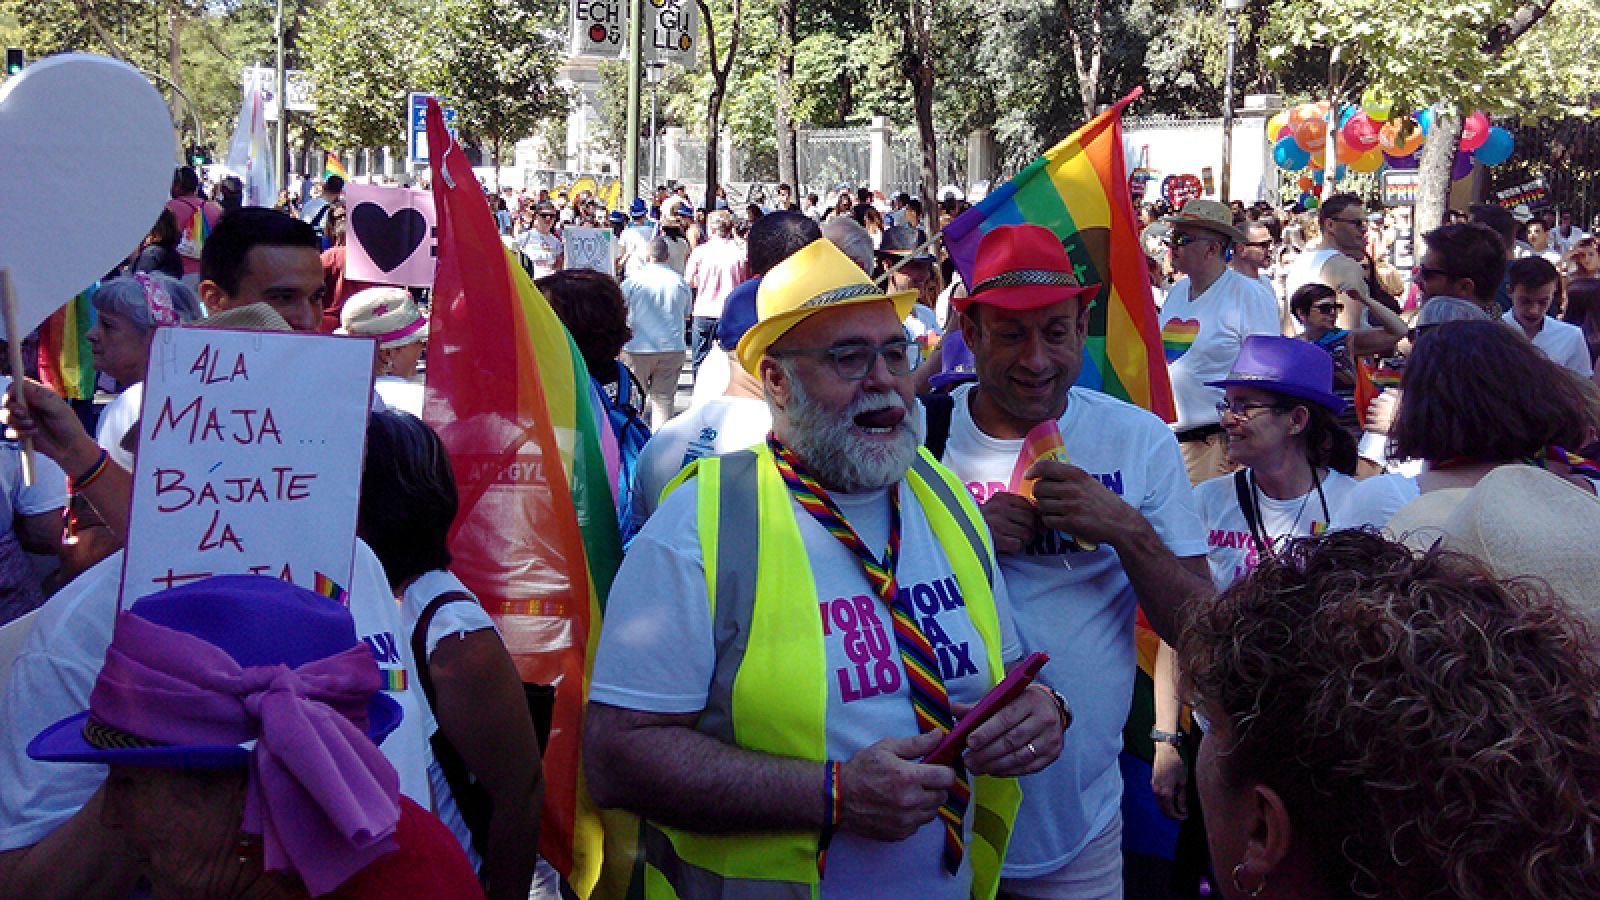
(832, 450)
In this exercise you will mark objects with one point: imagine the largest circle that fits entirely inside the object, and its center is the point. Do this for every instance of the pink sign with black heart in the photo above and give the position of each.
(391, 235)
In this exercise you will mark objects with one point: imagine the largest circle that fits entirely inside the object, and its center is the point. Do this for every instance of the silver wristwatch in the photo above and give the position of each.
(1167, 737)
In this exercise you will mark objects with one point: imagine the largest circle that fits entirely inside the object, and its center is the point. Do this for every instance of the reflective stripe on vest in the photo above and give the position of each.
(769, 691)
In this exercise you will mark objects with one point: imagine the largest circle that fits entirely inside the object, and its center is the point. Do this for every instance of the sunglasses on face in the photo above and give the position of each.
(1262, 245)
(1183, 240)
(1328, 306)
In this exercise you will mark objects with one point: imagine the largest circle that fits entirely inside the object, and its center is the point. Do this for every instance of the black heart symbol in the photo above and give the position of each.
(388, 240)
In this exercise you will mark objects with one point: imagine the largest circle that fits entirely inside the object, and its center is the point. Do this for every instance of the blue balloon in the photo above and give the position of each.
(1290, 156)
(1424, 118)
(1347, 112)
(1496, 148)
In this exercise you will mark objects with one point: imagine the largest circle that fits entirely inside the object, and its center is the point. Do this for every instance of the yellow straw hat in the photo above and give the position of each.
(816, 278)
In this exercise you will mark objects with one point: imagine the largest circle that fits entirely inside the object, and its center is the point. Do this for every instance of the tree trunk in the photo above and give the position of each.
(1087, 62)
(783, 122)
(175, 62)
(1438, 157)
(719, 89)
(919, 66)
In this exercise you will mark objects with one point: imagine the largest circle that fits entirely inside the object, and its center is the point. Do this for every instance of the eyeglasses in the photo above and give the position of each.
(1181, 239)
(1328, 307)
(1361, 222)
(1241, 409)
(547, 215)
(1423, 273)
(1263, 245)
(854, 361)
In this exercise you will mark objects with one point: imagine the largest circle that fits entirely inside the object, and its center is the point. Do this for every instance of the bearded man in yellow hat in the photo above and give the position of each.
(799, 623)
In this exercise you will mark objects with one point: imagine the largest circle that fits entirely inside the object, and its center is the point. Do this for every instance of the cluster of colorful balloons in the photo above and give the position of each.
(1370, 137)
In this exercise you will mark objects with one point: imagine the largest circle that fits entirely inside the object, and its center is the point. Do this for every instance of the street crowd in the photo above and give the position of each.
(1361, 547)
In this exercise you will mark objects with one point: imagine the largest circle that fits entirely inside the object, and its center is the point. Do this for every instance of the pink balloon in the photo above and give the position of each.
(1474, 131)
(1361, 133)
(1285, 131)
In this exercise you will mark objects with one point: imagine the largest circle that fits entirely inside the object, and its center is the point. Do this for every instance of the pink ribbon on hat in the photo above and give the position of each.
(322, 796)
(155, 297)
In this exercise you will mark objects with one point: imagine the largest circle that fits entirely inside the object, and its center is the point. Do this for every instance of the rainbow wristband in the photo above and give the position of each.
(95, 471)
(832, 808)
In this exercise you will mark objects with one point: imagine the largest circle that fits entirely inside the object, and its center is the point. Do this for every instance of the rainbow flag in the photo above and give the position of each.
(66, 362)
(331, 589)
(1043, 441)
(1079, 190)
(332, 166)
(536, 537)
(193, 239)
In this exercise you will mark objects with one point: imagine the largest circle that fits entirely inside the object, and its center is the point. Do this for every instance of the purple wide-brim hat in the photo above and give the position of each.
(258, 621)
(1285, 365)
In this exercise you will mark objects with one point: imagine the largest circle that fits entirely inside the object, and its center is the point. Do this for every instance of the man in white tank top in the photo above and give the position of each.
(1336, 261)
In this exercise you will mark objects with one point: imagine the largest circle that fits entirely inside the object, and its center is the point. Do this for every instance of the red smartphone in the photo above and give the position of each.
(1009, 689)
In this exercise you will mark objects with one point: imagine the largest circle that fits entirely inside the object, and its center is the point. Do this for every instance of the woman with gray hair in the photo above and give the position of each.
(127, 309)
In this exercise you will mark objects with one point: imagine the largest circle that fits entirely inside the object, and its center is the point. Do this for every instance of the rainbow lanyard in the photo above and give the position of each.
(929, 700)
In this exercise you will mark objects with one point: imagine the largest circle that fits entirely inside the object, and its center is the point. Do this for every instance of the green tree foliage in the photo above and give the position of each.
(498, 69)
(365, 56)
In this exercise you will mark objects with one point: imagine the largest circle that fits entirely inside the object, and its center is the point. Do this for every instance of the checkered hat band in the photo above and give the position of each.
(1026, 278)
(847, 292)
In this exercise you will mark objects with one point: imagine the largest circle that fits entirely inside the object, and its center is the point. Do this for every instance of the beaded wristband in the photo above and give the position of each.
(95, 471)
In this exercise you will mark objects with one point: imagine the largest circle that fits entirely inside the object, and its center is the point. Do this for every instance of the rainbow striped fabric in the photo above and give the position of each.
(536, 536)
(1079, 190)
(331, 589)
(332, 166)
(66, 362)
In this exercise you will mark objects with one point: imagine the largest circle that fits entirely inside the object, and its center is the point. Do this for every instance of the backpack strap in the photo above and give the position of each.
(939, 409)
(1242, 490)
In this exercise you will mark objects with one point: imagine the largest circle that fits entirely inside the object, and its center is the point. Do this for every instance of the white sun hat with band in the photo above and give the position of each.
(386, 313)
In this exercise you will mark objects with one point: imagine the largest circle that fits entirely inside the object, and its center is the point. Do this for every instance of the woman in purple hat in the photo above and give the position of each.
(1281, 418)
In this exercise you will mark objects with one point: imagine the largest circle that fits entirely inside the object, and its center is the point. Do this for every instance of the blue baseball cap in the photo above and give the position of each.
(639, 209)
(616, 218)
(738, 313)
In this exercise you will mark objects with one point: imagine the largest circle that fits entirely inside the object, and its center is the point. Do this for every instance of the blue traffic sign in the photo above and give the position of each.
(417, 126)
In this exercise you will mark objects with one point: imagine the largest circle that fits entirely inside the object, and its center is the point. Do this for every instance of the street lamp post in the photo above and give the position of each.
(1230, 9)
(652, 74)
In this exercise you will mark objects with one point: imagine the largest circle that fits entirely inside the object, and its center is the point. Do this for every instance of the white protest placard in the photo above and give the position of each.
(590, 248)
(674, 31)
(597, 28)
(389, 235)
(240, 469)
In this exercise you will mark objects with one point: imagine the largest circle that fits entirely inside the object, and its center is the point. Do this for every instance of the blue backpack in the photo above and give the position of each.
(631, 433)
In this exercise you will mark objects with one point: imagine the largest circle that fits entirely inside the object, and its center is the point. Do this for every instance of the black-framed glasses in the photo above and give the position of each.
(1180, 239)
(853, 361)
(1242, 409)
(1262, 245)
(1328, 306)
(1423, 273)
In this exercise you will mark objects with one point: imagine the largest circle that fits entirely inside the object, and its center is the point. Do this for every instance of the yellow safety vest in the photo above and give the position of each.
(769, 689)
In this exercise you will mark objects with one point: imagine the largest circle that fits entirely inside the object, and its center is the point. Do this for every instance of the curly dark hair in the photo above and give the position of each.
(1433, 732)
(591, 305)
(1480, 390)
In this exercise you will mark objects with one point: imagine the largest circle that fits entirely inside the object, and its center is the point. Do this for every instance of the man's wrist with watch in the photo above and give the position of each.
(1062, 708)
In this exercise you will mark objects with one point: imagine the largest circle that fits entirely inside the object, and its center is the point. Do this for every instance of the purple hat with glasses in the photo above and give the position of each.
(1285, 365)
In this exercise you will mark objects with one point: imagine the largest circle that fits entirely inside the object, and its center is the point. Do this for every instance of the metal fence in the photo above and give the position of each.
(830, 157)
(692, 160)
(1563, 152)
(905, 162)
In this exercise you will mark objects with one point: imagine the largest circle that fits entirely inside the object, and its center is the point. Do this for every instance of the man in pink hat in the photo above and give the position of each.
(1112, 529)
(1206, 317)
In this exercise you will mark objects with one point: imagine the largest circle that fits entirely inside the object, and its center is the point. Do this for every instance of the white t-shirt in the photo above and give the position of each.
(541, 250)
(1202, 339)
(1230, 550)
(451, 620)
(715, 427)
(399, 393)
(1374, 501)
(634, 246)
(56, 668)
(656, 654)
(658, 308)
(711, 379)
(1078, 606)
(1561, 341)
(119, 417)
(1307, 268)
